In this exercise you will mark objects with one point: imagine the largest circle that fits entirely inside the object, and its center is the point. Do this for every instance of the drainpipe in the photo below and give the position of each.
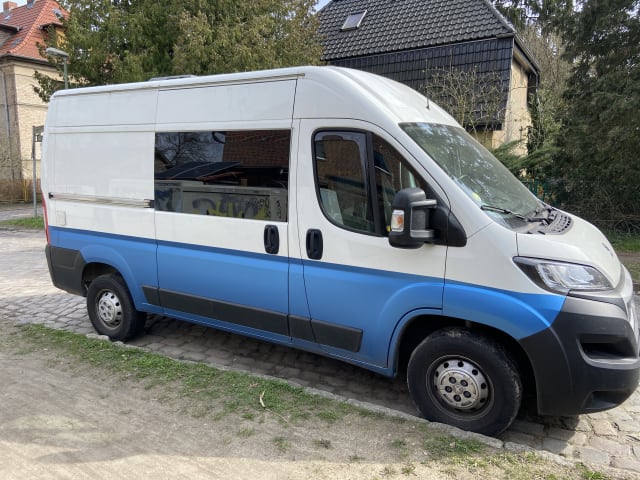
(7, 117)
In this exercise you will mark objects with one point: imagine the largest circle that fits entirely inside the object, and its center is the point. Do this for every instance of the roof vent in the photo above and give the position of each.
(353, 21)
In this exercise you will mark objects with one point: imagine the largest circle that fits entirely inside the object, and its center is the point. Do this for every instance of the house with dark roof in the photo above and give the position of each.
(422, 42)
(22, 29)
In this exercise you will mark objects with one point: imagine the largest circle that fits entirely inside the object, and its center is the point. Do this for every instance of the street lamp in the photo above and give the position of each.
(65, 56)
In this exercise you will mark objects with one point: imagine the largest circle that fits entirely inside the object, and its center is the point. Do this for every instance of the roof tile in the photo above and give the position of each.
(392, 25)
(30, 19)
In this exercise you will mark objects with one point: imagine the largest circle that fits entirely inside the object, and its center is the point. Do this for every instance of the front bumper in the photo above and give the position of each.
(588, 360)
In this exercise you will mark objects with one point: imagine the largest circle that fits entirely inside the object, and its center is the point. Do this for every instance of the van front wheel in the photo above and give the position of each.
(465, 380)
(111, 309)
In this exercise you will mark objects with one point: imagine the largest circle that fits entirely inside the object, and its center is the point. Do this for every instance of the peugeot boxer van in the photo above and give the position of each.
(341, 213)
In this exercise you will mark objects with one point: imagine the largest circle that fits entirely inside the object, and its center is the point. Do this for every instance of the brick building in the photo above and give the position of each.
(22, 29)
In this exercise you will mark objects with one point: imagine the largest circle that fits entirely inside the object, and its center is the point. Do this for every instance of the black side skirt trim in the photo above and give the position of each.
(301, 328)
(226, 312)
(151, 294)
(332, 335)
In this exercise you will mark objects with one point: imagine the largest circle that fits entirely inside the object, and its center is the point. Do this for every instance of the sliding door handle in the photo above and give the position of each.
(271, 239)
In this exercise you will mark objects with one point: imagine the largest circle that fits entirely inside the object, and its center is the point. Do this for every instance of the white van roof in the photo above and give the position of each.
(323, 92)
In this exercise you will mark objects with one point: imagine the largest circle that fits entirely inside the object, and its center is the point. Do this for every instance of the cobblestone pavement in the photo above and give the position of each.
(609, 438)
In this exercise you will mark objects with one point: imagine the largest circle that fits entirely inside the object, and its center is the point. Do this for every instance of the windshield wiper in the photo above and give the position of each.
(527, 218)
(506, 211)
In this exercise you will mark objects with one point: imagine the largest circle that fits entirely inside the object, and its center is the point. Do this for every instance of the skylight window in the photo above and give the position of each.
(353, 21)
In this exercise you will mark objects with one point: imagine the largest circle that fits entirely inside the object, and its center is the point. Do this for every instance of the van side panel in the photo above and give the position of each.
(104, 164)
(106, 108)
(229, 103)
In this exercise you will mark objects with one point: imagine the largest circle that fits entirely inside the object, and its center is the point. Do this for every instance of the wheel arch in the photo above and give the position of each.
(93, 270)
(421, 325)
(101, 260)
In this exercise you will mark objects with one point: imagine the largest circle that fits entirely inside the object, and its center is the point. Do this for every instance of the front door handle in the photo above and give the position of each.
(271, 239)
(314, 244)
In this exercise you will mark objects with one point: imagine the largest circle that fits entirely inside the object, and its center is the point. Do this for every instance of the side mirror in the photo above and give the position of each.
(410, 219)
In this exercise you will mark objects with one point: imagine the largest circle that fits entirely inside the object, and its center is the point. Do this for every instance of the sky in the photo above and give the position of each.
(321, 3)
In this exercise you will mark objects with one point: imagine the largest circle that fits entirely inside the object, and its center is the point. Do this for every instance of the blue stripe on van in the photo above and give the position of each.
(376, 298)
(380, 303)
(133, 257)
(518, 314)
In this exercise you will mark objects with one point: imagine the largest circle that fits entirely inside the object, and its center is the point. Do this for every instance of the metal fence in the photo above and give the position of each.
(539, 188)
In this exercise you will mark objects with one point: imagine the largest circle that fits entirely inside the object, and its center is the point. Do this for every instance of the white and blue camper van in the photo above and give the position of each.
(341, 213)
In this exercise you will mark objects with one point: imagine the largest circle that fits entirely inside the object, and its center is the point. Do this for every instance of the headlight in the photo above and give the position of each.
(561, 277)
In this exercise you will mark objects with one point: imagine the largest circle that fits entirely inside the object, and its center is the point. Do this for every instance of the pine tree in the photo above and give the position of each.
(113, 41)
(599, 163)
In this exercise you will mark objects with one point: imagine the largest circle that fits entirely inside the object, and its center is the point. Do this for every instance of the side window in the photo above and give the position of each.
(392, 175)
(357, 176)
(241, 174)
(342, 180)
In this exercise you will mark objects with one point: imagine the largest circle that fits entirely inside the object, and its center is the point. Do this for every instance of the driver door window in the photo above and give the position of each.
(357, 177)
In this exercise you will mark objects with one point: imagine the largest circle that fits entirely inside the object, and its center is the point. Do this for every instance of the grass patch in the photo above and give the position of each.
(634, 270)
(330, 415)
(627, 247)
(245, 432)
(591, 475)
(399, 444)
(408, 469)
(281, 444)
(210, 391)
(447, 447)
(34, 223)
(387, 472)
(625, 242)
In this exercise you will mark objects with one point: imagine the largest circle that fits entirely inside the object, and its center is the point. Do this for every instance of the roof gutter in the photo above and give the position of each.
(524, 55)
(12, 56)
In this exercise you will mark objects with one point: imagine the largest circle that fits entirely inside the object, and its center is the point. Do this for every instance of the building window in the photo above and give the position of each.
(353, 21)
(241, 174)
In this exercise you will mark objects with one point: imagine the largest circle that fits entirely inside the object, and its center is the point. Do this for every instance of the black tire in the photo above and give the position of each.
(465, 380)
(111, 309)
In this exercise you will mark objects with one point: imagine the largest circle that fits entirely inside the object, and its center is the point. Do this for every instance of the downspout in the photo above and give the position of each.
(7, 118)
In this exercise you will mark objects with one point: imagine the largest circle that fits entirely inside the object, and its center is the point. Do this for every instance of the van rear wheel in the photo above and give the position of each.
(465, 380)
(111, 309)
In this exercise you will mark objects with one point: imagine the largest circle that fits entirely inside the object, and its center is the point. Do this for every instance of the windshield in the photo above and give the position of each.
(482, 176)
